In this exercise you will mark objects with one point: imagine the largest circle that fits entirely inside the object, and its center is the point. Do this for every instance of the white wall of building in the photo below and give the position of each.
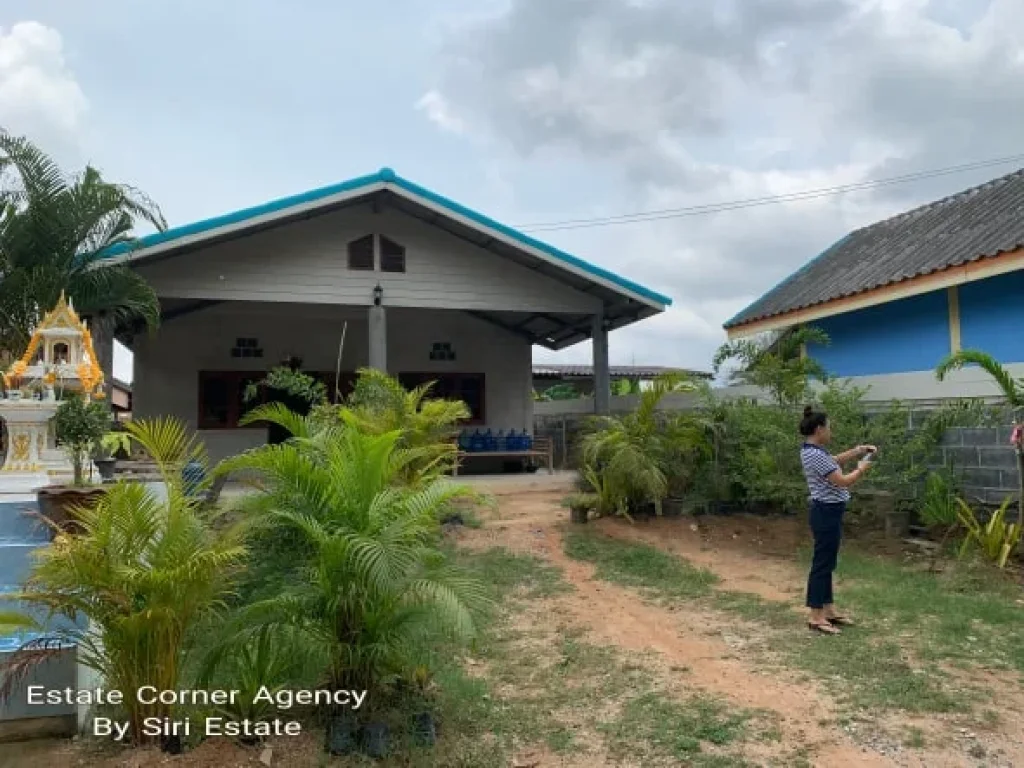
(167, 365)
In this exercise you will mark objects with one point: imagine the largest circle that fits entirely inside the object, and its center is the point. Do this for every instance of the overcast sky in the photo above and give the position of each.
(539, 111)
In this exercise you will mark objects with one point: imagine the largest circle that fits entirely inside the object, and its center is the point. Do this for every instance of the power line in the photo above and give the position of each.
(810, 194)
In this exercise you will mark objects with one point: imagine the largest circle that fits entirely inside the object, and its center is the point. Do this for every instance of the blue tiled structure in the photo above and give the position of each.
(21, 534)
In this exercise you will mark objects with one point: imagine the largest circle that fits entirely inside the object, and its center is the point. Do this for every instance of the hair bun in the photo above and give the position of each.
(808, 410)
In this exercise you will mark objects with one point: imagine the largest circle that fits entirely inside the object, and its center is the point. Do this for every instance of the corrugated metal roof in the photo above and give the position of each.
(975, 224)
(557, 371)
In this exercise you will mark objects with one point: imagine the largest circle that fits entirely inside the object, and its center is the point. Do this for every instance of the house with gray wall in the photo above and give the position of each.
(381, 271)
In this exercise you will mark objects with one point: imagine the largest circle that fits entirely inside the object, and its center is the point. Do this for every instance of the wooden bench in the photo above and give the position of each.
(542, 449)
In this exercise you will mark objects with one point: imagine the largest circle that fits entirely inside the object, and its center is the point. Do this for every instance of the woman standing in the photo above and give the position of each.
(829, 490)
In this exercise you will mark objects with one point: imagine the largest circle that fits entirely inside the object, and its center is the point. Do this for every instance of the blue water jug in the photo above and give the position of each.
(501, 442)
(490, 444)
(464, 440)
(476, 442)
(192, 474)
(527, 442)
(512, 441)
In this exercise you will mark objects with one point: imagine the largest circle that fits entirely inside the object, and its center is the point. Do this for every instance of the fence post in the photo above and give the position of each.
(565, 445)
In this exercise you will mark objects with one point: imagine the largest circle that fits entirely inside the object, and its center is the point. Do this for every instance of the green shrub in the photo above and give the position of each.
(634, 459)
(80, 426)
(755, 459)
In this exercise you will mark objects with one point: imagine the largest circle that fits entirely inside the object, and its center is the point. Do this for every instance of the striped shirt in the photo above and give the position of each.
(818, 465)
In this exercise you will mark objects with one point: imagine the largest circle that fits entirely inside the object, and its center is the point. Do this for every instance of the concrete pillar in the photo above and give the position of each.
(378, 339)
(102, 330)
(602, 378)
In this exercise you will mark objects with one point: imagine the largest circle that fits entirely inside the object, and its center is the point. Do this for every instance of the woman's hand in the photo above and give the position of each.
(864, 450)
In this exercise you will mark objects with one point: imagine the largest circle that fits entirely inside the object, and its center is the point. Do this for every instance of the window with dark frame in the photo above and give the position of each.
(360, 254)
(392, 255)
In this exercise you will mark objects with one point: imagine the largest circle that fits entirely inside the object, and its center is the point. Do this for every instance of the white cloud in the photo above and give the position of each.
(39, 95)
(754, 98)
(434, 106)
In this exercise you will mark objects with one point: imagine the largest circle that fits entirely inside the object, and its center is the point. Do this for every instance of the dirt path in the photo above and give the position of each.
(702, 648)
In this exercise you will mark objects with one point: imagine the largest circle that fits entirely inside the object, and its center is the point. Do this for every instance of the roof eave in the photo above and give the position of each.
(961, 274)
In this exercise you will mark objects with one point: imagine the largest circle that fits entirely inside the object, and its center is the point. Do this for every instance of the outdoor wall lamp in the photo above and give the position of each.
(378, 295)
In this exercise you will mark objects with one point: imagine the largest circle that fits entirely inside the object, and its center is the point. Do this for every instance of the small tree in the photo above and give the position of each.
(80, 425)
(782, 367)
(629, 459)
(1012, 389)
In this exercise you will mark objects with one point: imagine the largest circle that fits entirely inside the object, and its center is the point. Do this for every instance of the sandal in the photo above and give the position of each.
(824, 627)
(840, 621)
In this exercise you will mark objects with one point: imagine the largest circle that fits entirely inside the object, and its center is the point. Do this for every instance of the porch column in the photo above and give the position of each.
(602, 379)
(102, 332)
(378, 339)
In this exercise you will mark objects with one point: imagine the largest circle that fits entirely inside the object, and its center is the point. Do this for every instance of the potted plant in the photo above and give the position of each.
(104, 460)
(80, 425)
(12, 385)
(580, 506)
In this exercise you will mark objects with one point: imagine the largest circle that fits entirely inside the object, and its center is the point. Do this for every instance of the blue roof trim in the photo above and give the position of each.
(385, 176)
(227, 219)
(733, 320)
(525, 239)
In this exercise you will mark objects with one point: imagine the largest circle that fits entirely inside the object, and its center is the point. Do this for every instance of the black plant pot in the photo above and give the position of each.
(172, 745)
(106, 468)
(375, 738)
(453, 518)
(672, 507)
(341, 735)
(425, 728)
(644, 511)
(578, 514)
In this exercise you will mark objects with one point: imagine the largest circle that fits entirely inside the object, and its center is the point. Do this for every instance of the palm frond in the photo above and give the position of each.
(1012, 389)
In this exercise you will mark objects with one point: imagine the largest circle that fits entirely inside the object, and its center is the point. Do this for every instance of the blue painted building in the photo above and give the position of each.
(899, 295)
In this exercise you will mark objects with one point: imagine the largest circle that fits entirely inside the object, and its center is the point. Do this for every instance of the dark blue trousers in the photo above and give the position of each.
(827, 527)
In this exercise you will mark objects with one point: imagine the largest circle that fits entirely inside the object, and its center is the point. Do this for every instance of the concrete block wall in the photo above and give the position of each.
(983, 461)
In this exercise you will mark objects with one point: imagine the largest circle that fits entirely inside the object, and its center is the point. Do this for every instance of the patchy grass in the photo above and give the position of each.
(969, 615)
(908, 621)
(675, 729)
(508, 575)
(657, 573)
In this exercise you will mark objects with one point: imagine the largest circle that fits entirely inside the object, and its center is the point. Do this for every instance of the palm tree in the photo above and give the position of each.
(364, 578)
(1012, 390)
(54, 229)
(379, 404)
(633, 455)
(782, 367)
(144, 574)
